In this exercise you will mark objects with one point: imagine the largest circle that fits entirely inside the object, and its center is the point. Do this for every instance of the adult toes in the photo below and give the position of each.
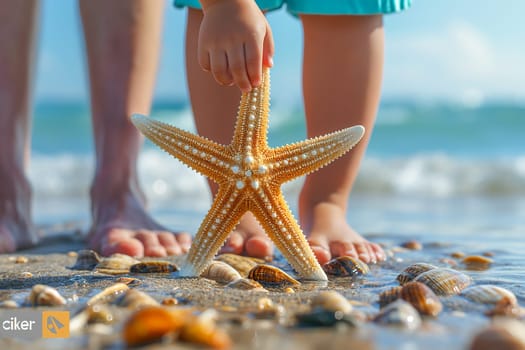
(150, 241)
(169, 242)
(127, 245)
(184, 240)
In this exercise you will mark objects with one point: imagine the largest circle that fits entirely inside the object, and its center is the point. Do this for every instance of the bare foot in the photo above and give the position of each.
(331, 236)
(249, 239)
(122, 225)
(16, 229)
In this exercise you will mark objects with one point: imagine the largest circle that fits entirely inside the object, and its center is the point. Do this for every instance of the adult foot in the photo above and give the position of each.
(122, 225)
(249, 239)
(16, 229)
(331, 236)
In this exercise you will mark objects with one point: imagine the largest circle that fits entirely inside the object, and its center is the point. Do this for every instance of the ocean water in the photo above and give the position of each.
(431, 168)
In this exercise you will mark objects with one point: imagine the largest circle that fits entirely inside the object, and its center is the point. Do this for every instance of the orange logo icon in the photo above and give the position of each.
(55, 324)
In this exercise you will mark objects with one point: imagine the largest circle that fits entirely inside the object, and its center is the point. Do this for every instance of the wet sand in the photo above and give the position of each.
(452, 329)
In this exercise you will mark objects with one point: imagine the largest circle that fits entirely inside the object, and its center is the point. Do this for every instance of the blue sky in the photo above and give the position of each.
(468, 51)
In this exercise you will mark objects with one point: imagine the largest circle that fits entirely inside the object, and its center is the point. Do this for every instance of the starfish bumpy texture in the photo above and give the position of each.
(250, 174)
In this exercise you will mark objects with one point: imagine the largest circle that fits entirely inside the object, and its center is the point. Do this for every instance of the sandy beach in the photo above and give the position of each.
(239, 315)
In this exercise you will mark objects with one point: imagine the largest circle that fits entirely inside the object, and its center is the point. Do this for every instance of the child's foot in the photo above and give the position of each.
(249, 239)
(331, 236)
(121, 225)
(16, 229)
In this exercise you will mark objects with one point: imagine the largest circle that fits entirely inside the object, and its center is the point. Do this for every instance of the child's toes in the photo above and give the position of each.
(234, 244)
(258, 247)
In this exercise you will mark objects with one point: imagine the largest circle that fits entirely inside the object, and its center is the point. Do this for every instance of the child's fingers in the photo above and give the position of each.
(252, 54)
(268, 48)
(237, 67)
(219, 67)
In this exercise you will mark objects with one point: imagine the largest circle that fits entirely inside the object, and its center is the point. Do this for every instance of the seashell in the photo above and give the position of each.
(130, 281)
(325, 318)
(412, 271)
(246, 284)
(289, 290)
(42, 295)
(86, 260)
(506, 307)
(422, 298)
(152, 323)
(330, 300)
(108, 294)
(444, 281)
(72, 254)
(477, 262)
(389, 296)
(135, 299)
(488, 254)
(346, 266)
(169, 301)
(264, 304)
(9, 304)
(488, 294)
(21, 259)
(153, 267)
(25, 274)
(220, 272)
(271, 275)
(202, 330)
(457, 255)
(399, 313)
(412, 245)
(243, 264)
(98, 313)
(505, 334)
(116, 264)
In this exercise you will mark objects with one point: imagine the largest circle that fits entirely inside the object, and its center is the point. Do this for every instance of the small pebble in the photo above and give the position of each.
(477, 262)
(9, 304)
(21, 260)
(412, 245)
(26, 274)
(265, 304)
(489, 254)
(169, 301)
(289, 290)
(457, 255)
(72, 254)
(130, 281)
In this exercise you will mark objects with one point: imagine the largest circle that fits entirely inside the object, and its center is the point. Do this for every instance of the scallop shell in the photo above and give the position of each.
(108, 294)
(389, 296)
(422, 298)
(246, 284)
(86, 260)
(153, 267)
(42, 295)
(488, 294)
(152, 323)
(505, 334)
(330, 300)
(477, 262)
(203, 330)
(346, 266)
(413, 271)
(243, 264)
(444, 281)
(220, 272)
(135, 299)
(116, 264)
(399, 313)
(271, 275)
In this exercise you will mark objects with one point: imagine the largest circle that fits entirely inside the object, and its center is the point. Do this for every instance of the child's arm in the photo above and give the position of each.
(235, 41)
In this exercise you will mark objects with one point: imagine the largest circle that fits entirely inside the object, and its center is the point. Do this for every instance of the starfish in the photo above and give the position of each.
(250, 174)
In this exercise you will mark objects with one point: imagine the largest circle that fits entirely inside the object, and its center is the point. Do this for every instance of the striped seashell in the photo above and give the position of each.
(86, 260)
(109, 294)
(246, 284)
(400, 314)
(42, 295)
(389, 296)
(330, 300)
(271, 275)
(413, 271)
(153, 267)
(488, 294)
(135, 299)
(221, 272)
(243, 264)
(344, 266)
(444, 281)
(422, 298)
(116, 264)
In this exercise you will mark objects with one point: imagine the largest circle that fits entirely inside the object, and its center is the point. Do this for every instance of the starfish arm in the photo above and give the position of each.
(251, 128)
(298, 159)
(200, 154)
(226, 211)
(274, 215)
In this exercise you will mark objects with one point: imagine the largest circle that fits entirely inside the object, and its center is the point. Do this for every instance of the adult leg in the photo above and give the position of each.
(17, 37)
(215, 108)
(122, 41)
(342, 72)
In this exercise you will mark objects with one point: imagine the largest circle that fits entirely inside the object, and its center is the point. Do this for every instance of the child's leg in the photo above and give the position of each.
(215, 109)
(17, 37)
(122, 41)
(343, 61)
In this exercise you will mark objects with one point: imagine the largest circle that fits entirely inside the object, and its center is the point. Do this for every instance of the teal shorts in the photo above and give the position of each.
(323, 7)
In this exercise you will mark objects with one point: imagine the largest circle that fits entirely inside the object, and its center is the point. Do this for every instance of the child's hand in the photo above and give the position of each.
(235, 41)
